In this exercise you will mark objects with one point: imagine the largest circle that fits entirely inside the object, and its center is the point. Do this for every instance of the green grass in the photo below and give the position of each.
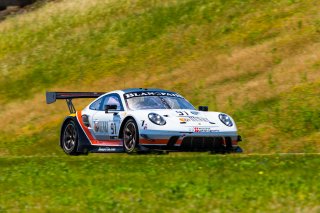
(210, 51)
(175, 182)
(288, 117)
(106, 39)
(255, 60)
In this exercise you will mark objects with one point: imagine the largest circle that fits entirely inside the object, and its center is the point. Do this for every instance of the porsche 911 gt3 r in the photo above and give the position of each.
(135, 120)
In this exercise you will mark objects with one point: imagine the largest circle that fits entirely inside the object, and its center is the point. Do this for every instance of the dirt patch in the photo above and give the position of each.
(20, 7)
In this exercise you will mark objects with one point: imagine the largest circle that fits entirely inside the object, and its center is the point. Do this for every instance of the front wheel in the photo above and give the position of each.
(69, 142)
(130, 137)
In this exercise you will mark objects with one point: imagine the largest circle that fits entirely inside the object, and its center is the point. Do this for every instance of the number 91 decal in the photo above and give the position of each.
(182, 113)
(113, 128)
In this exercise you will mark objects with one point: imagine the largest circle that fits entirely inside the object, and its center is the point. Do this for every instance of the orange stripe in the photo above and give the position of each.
(179, 141)
(92, 140)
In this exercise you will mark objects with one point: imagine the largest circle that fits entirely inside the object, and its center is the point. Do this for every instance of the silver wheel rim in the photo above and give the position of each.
(69, 138)
(130, 134)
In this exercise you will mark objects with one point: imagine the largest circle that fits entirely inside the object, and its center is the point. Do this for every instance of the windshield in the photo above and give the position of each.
(158, 102)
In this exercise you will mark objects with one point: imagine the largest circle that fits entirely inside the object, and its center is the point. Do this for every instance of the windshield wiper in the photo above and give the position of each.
(165, 103)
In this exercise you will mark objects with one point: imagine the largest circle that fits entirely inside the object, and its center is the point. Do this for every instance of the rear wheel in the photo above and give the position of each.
(130, 137)
(69, 142)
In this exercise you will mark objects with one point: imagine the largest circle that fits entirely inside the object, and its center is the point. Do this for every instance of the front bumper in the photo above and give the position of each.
(191, 141)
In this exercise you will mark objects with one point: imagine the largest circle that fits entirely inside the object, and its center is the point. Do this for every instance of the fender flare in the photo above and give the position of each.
(123, 123)
(83, 142)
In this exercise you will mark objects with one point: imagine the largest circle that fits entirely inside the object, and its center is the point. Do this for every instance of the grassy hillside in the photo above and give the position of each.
(256, 60)
(174, 183)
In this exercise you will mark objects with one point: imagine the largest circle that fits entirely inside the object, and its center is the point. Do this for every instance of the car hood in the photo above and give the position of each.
(177, 118)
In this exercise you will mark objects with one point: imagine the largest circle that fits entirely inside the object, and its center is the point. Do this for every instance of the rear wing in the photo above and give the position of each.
(51, 97)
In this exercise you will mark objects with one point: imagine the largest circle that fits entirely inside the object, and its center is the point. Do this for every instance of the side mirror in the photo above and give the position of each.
(109, 107)
(203, 108)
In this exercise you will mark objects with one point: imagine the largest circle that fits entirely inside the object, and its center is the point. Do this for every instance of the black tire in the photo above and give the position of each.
(131, 137)
(69, 140)
(238, 149)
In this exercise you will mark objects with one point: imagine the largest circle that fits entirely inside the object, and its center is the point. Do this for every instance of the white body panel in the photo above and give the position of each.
(179, 122)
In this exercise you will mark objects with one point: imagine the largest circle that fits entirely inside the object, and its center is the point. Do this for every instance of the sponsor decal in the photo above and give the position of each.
(100, 126)
(186, 115)
(90, 137)
(96, 126)
(150, 93)
(203, 129)
(198, 119)
(184, 120)
(107, 149)
(194, 119)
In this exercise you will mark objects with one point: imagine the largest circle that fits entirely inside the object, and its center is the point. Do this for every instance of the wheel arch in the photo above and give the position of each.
(83, 141)
(124, 123)
(64, 123)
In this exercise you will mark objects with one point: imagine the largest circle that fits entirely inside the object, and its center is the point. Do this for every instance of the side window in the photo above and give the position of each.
(96, 105)
(112, 100)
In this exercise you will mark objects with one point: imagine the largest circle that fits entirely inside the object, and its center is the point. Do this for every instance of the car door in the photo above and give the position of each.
(106, 126)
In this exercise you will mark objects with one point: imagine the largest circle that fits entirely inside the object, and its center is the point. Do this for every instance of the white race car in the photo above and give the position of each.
(139, 120)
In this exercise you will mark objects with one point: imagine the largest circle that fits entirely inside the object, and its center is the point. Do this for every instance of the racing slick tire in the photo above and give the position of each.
(70, 138)
(131, 137)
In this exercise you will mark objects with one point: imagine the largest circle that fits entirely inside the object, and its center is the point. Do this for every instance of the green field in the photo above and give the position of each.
(191, 182)
(258, 61)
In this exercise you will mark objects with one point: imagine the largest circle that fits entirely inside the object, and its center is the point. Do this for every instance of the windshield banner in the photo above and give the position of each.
(150, 93)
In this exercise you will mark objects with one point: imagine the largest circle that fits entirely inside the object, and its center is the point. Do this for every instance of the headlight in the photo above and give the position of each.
(225, 119)
(157, 119)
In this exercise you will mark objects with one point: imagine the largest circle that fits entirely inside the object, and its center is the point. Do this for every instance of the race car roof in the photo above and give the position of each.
(145, 89)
